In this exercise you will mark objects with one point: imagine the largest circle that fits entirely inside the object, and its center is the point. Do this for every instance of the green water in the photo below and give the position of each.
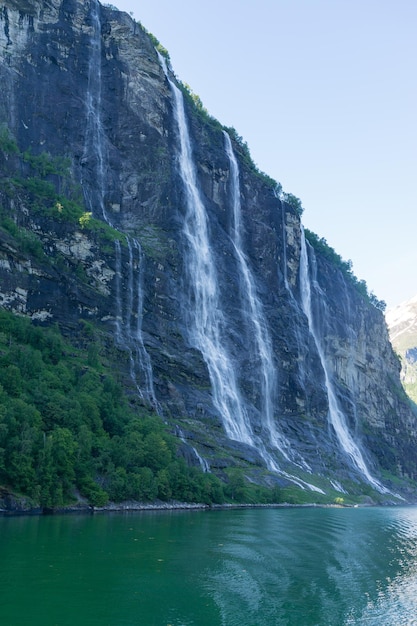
(255, 567)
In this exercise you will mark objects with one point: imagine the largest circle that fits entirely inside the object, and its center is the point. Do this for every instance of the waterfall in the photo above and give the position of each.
(206, 322)
(95, 153)
(253, 309)
(118, 279)
(335, 414)
(284, 254)
(202, 462)
(129, 334)
(143, 360)
(93, 177)
(278, 195)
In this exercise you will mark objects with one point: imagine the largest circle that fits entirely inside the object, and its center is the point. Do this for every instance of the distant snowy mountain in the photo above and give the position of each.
(402, 326)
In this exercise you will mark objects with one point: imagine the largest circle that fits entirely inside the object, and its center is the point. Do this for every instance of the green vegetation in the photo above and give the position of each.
(293, 201)
(44, 165)
(43, 178)
(245, 157)
(7, 143)
(67, 429)
(66, 426)
(199, 107)
(26, 240)
(156, 43)
(320, 245)
(48, 192)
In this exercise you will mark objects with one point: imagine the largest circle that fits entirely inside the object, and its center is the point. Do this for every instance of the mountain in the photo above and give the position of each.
(402, 326)
(127, 210)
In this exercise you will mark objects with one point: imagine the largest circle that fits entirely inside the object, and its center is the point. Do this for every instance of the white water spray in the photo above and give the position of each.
(129, 334)
(206, 322)
(95, 161)
(143, 360)
(205, 318)
(118, 279)
(95, 151)
(278, 195)
(252, 306)
(204, 465)
(336, 416)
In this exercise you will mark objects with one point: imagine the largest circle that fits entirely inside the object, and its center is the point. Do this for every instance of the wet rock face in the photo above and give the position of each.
(84, 81)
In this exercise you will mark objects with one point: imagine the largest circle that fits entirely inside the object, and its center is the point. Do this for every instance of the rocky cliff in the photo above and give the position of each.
(248, 337)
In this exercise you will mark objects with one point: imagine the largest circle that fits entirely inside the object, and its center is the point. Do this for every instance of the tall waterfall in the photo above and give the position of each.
(129, 277)
(278, 195)
(253, 309)
(95, 151)
(206, 320)
(335, 415)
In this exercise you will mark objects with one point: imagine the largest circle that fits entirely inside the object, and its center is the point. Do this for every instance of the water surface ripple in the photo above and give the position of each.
(250, 567)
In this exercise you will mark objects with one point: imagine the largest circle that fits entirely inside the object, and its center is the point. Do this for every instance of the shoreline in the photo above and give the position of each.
(159, 506)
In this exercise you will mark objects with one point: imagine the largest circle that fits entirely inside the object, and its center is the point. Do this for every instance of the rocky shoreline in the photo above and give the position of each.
(23, 507)
(12, 504)
(19, 507)
(16, 505)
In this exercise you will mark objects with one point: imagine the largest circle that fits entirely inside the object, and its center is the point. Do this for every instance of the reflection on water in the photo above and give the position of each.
(320, 566)
(251, 567)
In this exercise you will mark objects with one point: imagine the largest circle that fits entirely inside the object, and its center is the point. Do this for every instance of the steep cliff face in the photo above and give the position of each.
(257, 349)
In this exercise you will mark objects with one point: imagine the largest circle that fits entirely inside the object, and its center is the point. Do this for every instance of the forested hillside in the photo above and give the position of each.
(66, 427)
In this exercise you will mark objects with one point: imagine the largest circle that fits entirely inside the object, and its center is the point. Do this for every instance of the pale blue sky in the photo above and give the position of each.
(325, 94)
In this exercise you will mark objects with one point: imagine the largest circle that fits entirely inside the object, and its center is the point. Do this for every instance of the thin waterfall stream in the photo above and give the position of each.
(128, 276)
(335, 414)
(129, 316)
(204, 465)
(95, 139)
(278, 194)
(253, 309)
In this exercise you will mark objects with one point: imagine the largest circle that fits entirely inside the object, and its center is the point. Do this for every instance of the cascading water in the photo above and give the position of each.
(278, 194)
(95, 155)
(206, 321)
(205, 318)
(253, 309)
(142, 361)
(118, 280)
(335, 414)
(202, 461)
(129, 334)
(95, 160)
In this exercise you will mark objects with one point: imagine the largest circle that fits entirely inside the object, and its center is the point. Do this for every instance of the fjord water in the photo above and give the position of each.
(246, 567)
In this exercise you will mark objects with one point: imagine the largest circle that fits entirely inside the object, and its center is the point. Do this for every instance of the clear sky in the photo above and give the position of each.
(325, 94)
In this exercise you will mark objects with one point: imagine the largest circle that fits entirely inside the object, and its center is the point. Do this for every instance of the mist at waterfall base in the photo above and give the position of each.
(283, 567)
(325, 97)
